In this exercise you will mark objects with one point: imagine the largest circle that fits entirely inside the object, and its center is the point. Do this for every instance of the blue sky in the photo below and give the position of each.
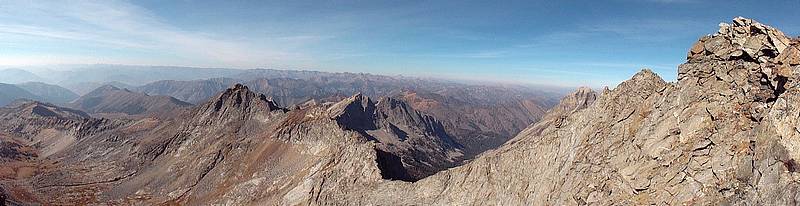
(567, 43)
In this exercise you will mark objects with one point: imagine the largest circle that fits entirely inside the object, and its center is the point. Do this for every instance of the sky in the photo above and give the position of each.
(564, 43)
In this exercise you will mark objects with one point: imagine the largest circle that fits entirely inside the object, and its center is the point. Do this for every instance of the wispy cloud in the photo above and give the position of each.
(120, 24)
(43, 32)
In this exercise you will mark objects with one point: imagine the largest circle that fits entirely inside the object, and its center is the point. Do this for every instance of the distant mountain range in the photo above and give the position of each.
(10, 92)
(35, 91)
(48, 92)
(479, 116)
(125, 118)
(15, 76)
(110, 100)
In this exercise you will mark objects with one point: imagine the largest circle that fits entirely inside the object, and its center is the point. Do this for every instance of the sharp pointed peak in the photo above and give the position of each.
(646, 75)
(644, 80)
(240, 96)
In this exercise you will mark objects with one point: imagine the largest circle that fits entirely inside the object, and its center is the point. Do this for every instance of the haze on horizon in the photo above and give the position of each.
(563, 43)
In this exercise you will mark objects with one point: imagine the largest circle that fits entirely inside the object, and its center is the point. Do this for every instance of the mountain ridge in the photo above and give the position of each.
(9, 93)
(114, 101)
(49, 93)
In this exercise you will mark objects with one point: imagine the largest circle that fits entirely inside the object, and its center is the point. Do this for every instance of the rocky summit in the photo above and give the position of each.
(724, 133)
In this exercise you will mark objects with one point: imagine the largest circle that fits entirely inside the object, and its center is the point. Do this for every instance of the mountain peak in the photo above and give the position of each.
(112, 100)
(644, 74)
(392, 102)
(644, 80)
(240, 96)
(356, 102)
(239, 87)
(356, 112)
(746, 54)
(237, 102)
(742, 39)
(99, 91)
(579, 99)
